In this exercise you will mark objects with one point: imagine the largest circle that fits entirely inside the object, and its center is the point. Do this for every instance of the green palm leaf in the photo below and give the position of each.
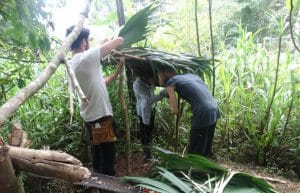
(198, 169)
(197, 162)
(151, 184)
(183, 63)
(175, 180)
(137, 27)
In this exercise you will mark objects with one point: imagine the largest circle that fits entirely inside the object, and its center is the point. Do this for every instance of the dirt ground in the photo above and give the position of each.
(140, 167)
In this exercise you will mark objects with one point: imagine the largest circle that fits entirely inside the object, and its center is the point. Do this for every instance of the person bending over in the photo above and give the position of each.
(205, 111)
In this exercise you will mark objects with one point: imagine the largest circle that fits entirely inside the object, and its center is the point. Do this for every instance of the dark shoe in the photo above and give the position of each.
(147, 153)
(152, 160)
(93, 190)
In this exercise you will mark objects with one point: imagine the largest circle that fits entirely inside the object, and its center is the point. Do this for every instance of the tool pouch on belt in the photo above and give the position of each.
(103, 132)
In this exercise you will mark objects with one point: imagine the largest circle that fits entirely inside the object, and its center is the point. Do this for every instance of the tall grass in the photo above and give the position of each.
(256, 91)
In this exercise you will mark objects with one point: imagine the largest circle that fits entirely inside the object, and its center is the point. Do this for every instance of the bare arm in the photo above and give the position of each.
(172, 99)
(145, 93)
(113, 76)
(109, 45)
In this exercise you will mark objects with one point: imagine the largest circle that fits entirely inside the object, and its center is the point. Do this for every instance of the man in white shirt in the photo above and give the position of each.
(97, 112)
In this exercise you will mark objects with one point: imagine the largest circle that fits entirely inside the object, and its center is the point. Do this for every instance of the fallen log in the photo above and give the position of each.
(48, 164)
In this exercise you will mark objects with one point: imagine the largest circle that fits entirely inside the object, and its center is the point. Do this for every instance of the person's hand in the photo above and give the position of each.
(163, 93)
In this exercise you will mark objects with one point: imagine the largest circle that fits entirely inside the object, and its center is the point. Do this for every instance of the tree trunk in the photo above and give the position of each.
(48, 164)
(9, 183)
(197, 27)
(8, 108)
(120, 10)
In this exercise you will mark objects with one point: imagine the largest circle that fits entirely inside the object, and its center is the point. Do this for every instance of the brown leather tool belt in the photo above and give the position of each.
(102, 130)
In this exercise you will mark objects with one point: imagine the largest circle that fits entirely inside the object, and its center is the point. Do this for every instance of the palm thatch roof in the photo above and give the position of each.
(145, 61)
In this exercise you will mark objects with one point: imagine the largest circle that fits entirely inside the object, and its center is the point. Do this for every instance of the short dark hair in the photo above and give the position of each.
(84, 34)
(165, 68)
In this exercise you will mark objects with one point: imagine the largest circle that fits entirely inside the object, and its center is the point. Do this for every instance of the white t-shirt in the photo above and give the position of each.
(86, 66)
(145, 99)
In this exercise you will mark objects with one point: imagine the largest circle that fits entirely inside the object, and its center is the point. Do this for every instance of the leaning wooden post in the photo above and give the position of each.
(8, 108)
(9, 182)
(124, 108)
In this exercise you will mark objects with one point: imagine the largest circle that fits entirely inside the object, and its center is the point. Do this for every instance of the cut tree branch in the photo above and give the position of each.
(118, 53)
(8, 108)
(74, 81)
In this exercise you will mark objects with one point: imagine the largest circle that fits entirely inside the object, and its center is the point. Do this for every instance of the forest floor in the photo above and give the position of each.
(140, 167)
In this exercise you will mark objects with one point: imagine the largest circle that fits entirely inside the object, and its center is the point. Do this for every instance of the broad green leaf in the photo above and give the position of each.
(148, 181)
(136, 28)
(175, 180)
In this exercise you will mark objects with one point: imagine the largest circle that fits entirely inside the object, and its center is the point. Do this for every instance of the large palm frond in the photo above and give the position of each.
(146, 60)
(137, 27)
(182, 63)
(194, 173)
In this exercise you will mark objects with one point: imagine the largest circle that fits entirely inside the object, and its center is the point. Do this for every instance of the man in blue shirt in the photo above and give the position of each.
(205, 111)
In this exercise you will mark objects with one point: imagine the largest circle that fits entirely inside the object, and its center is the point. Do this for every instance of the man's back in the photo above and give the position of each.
(86, 66)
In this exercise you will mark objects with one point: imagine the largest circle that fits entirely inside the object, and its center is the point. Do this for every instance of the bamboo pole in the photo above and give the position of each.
(11, 105)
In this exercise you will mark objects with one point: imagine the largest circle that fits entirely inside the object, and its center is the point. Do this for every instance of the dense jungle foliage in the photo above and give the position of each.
(257, 70)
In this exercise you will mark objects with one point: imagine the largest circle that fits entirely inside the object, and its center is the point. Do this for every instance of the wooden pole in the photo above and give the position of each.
(124, 108)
